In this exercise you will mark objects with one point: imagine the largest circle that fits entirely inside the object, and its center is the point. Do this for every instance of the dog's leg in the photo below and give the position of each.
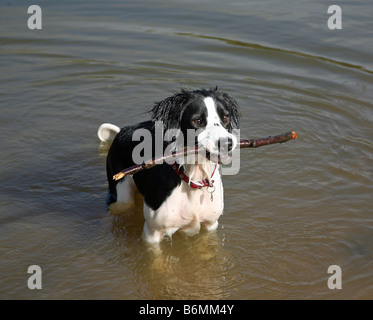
(150, 233)
(126, 190)
(151, 236)
(211, 226)
(193, 228)
(155, 228)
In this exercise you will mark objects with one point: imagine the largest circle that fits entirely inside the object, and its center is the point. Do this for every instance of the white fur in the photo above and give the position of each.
(107, 132)
(126, 190)
(212, 115)
(214, 131)
(185, 209)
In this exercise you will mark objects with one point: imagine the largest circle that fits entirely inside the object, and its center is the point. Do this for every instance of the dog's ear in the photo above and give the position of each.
(232, 107)
(170, 110)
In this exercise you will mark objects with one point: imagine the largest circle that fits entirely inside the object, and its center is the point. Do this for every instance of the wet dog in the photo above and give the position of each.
(181, 195)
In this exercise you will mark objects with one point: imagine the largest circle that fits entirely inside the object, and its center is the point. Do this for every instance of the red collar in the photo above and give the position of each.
(194, 184)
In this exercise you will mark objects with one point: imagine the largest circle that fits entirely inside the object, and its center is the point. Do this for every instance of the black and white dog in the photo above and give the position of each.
(178, 195)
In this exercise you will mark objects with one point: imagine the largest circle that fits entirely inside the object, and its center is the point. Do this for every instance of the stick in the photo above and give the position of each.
(255, 143)
(151, 163)
(248, 143)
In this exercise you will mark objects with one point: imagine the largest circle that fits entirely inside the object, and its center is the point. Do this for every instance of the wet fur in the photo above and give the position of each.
(171, 204)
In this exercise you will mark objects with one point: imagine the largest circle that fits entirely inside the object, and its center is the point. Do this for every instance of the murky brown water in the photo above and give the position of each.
(293, 210)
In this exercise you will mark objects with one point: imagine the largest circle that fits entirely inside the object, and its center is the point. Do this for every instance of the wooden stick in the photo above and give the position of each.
(248, 143)
(255, 143)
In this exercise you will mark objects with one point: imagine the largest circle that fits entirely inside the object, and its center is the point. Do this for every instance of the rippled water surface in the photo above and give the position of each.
(291, 212)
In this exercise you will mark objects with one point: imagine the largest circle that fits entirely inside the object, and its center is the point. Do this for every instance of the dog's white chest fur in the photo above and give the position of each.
(185, 209)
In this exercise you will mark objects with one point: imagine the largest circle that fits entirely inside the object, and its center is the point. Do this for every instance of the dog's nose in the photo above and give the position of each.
(225, 145)
(230, 144)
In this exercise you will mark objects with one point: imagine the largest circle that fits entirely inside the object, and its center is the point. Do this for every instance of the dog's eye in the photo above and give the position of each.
(197, 122)
(226, 118)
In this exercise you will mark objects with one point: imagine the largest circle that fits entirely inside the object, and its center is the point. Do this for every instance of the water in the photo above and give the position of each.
(291, 212)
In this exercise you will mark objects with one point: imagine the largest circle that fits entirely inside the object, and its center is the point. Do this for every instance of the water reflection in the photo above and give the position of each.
(181, 267)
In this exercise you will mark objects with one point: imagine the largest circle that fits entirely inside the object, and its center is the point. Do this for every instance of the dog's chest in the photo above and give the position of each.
(186, 205)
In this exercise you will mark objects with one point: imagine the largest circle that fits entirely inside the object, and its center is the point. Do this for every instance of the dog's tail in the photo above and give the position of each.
(107, 132)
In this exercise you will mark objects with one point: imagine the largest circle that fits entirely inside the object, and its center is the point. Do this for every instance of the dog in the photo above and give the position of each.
(176, 196)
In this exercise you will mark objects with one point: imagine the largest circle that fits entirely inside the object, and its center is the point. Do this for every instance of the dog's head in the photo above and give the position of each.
(204, 117)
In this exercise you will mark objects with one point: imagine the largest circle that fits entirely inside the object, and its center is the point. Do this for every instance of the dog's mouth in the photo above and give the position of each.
(213, 151)
(223, 157)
